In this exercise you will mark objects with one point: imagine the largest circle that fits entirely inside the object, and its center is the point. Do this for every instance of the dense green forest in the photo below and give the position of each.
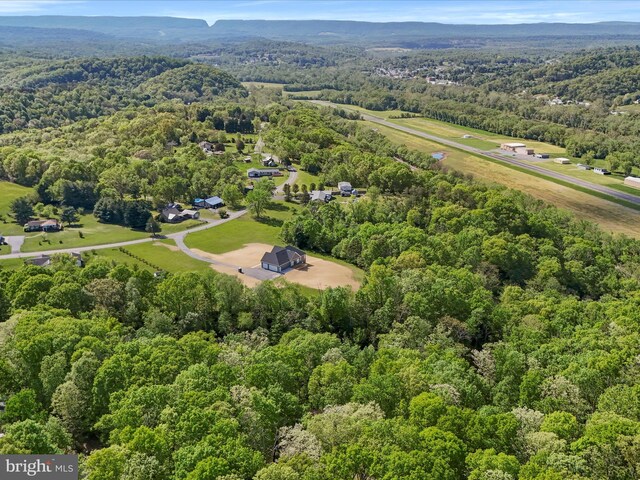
(50, 94)
(494, 337)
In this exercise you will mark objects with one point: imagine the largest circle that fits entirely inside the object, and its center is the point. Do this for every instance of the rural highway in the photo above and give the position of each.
(627, 197)
(178, 237)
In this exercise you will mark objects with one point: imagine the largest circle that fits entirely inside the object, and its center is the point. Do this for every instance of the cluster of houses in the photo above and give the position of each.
(174, 213)
(49, 225)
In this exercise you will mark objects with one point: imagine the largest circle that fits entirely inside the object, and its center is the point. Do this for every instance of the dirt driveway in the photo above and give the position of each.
(318, 273)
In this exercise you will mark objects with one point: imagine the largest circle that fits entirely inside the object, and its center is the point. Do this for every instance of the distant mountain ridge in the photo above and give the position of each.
(312, 31)
(294, 28)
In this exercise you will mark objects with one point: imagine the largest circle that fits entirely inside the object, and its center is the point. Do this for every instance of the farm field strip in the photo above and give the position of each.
(611, 217)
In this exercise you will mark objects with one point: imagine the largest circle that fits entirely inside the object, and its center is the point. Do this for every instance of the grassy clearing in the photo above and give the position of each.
(166, 255)
(305, 178)
(610, 216)
(11, 263)
(257, 163)
(275, 86)
(93, 233)
(246, 229)
(8, 193)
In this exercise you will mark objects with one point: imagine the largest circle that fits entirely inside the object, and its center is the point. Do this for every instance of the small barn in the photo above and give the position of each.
(562, 161)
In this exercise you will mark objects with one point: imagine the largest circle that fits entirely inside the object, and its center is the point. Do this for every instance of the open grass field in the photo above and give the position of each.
(162, 255)
(166, 255)
(610, 216)
(8, 193)
(305, 178)
(93, 233)
(246, 229)
(275, 86)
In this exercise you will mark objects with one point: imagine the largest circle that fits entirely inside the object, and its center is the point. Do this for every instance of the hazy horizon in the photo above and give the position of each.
(457, 12)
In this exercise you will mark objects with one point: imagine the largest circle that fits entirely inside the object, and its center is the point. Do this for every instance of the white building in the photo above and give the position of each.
(632, 182)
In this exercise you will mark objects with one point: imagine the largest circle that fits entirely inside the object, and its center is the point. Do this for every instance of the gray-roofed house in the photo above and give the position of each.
(45, 260)
(281, 258)
(49, 225)
(345, 188)
(171, 215)
(263, 172)
(321, 196)
(213, 202)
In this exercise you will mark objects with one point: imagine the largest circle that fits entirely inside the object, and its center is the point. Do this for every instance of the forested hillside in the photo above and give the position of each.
(494, 337)
(50, 94)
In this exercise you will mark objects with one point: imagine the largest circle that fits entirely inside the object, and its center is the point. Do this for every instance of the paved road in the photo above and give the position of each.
(178, 237)
(496, 156)
(293, 176)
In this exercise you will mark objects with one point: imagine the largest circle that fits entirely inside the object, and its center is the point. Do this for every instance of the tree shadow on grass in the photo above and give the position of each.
(273, 222)
(277, 207)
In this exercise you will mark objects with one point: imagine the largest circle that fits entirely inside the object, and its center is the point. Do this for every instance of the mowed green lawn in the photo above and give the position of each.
(246, 229)
(93, 233)
(616, 180)
(481, 138)
(152, 256)
(305, 178)
(8, 193)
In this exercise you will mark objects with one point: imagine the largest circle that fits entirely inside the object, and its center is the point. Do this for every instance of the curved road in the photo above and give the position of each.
(627, 197)
(178, 237)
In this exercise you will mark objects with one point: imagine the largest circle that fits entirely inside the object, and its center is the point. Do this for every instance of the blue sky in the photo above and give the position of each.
(445, 11)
